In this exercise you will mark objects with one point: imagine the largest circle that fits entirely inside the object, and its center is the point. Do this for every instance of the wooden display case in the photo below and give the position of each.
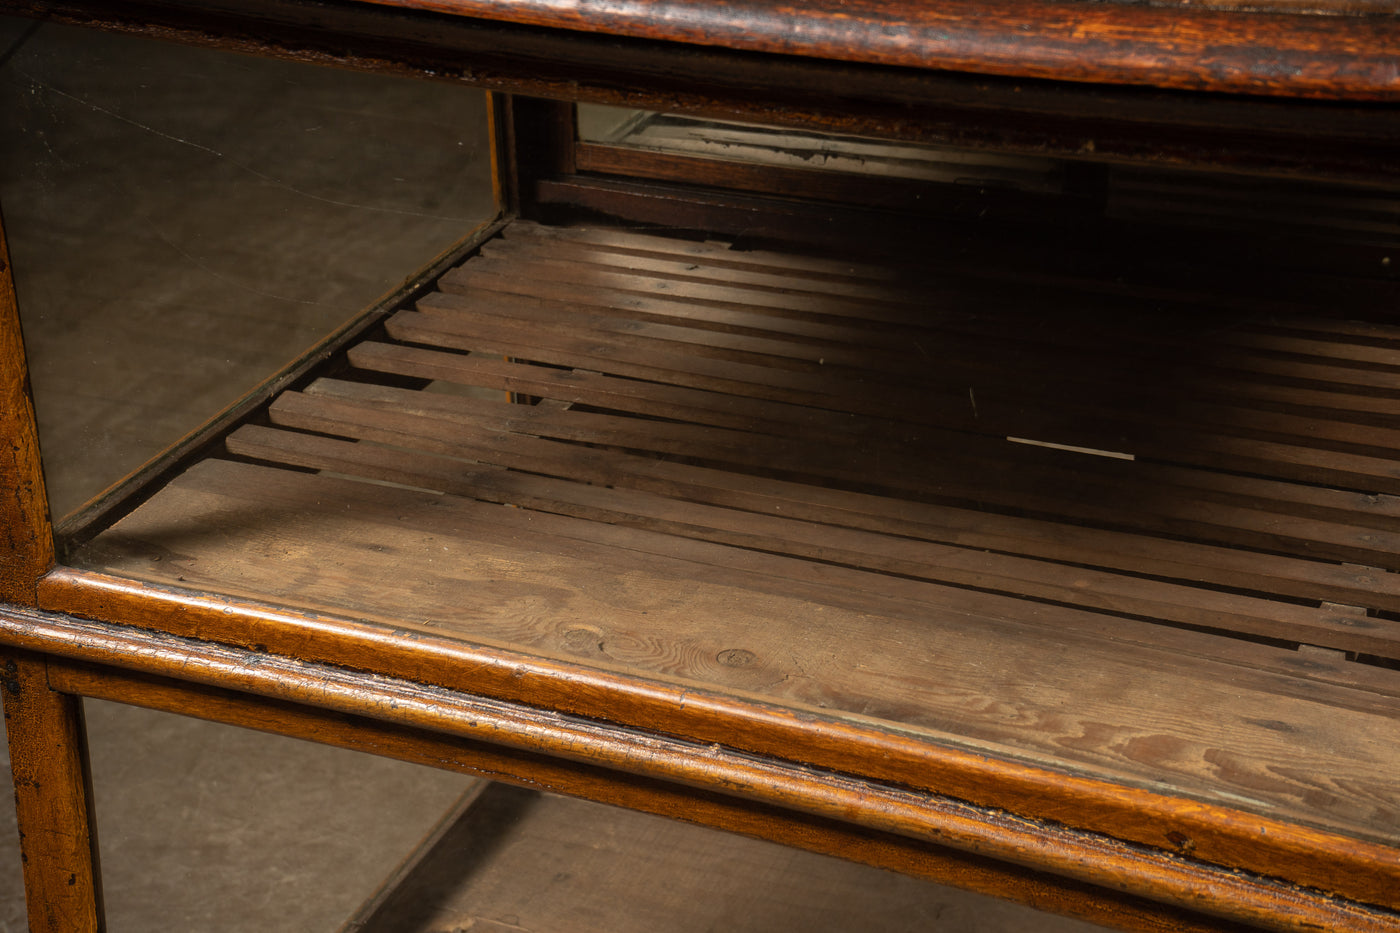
(1016, 511)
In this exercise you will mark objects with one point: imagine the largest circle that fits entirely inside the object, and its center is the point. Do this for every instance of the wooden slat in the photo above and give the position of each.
(1379, 512)
(867, 511)
(790, 484)
(1114, 339)
(850, 509)
(1270, 443)
(698, 270)
(1160, 557)
(951, 304)
(559, 584)
(629, 242)
(894, 562)
(953, 448)
(460, 424)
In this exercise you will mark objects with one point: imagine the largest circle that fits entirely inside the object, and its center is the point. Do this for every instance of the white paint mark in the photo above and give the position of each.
(1114, 454)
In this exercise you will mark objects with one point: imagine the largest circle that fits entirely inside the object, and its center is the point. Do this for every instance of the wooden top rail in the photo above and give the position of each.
(1308, 93)
(1299, 54)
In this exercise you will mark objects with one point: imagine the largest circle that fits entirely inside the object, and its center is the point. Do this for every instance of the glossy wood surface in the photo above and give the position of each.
(698, 779)
(53, 799)
(506, 765)
(26, 541)
(1176, 46)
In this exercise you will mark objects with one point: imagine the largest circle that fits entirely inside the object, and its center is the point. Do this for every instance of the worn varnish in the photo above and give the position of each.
(1272, 132)
(1176, 45)
(53, 802)
(906, 850)
(927, 835)
(26, 542)
(790, 481)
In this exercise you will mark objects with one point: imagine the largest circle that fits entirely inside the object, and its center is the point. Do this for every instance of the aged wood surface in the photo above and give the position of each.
(586, 759)
(715, 494)
(543, 772)
(1084, 692)
(1220, 834)
(26, 540)
(58, 834)
(1036, 117)
(1176, 46)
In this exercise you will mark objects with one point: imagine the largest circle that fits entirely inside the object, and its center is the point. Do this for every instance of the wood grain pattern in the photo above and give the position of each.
(1223, 835)
(26, 540)
(682, 609)
(713, 769)
(1111, 43)
(1227, 132)
(53, 799)
(703, 504)
(507, 766)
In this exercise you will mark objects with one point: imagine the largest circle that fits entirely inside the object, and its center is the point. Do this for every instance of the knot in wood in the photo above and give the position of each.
(737, 657)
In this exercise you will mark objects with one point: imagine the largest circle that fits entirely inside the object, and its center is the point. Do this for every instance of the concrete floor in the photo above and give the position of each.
(182, 224)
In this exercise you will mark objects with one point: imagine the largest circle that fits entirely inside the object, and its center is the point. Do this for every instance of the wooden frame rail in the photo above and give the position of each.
(1354, 136)
(1300, 89)
(942, 839)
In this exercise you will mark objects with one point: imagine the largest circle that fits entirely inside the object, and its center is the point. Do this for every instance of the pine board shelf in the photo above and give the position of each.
(1143, 540)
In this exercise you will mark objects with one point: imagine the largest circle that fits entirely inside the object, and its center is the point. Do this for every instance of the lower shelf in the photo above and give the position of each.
(511, 860)
(1136, 538)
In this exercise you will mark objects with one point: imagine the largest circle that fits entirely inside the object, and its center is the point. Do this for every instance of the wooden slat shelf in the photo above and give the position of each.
(847, 490)
(516, 859)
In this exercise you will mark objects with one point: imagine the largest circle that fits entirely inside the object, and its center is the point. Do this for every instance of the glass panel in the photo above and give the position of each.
(208, 827)
(183, 223)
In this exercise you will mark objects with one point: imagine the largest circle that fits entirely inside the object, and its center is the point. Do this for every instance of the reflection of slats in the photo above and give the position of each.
(1361, 214)
(769, 146)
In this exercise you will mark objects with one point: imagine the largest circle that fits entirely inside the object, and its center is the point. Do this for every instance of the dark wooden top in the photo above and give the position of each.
(1305, 49)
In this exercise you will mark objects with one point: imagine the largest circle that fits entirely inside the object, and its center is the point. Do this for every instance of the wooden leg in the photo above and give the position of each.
(58, 835)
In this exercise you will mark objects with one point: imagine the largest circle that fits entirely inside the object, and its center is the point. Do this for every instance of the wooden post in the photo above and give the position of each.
(26, 538)
(53, 800)
(541, 146)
